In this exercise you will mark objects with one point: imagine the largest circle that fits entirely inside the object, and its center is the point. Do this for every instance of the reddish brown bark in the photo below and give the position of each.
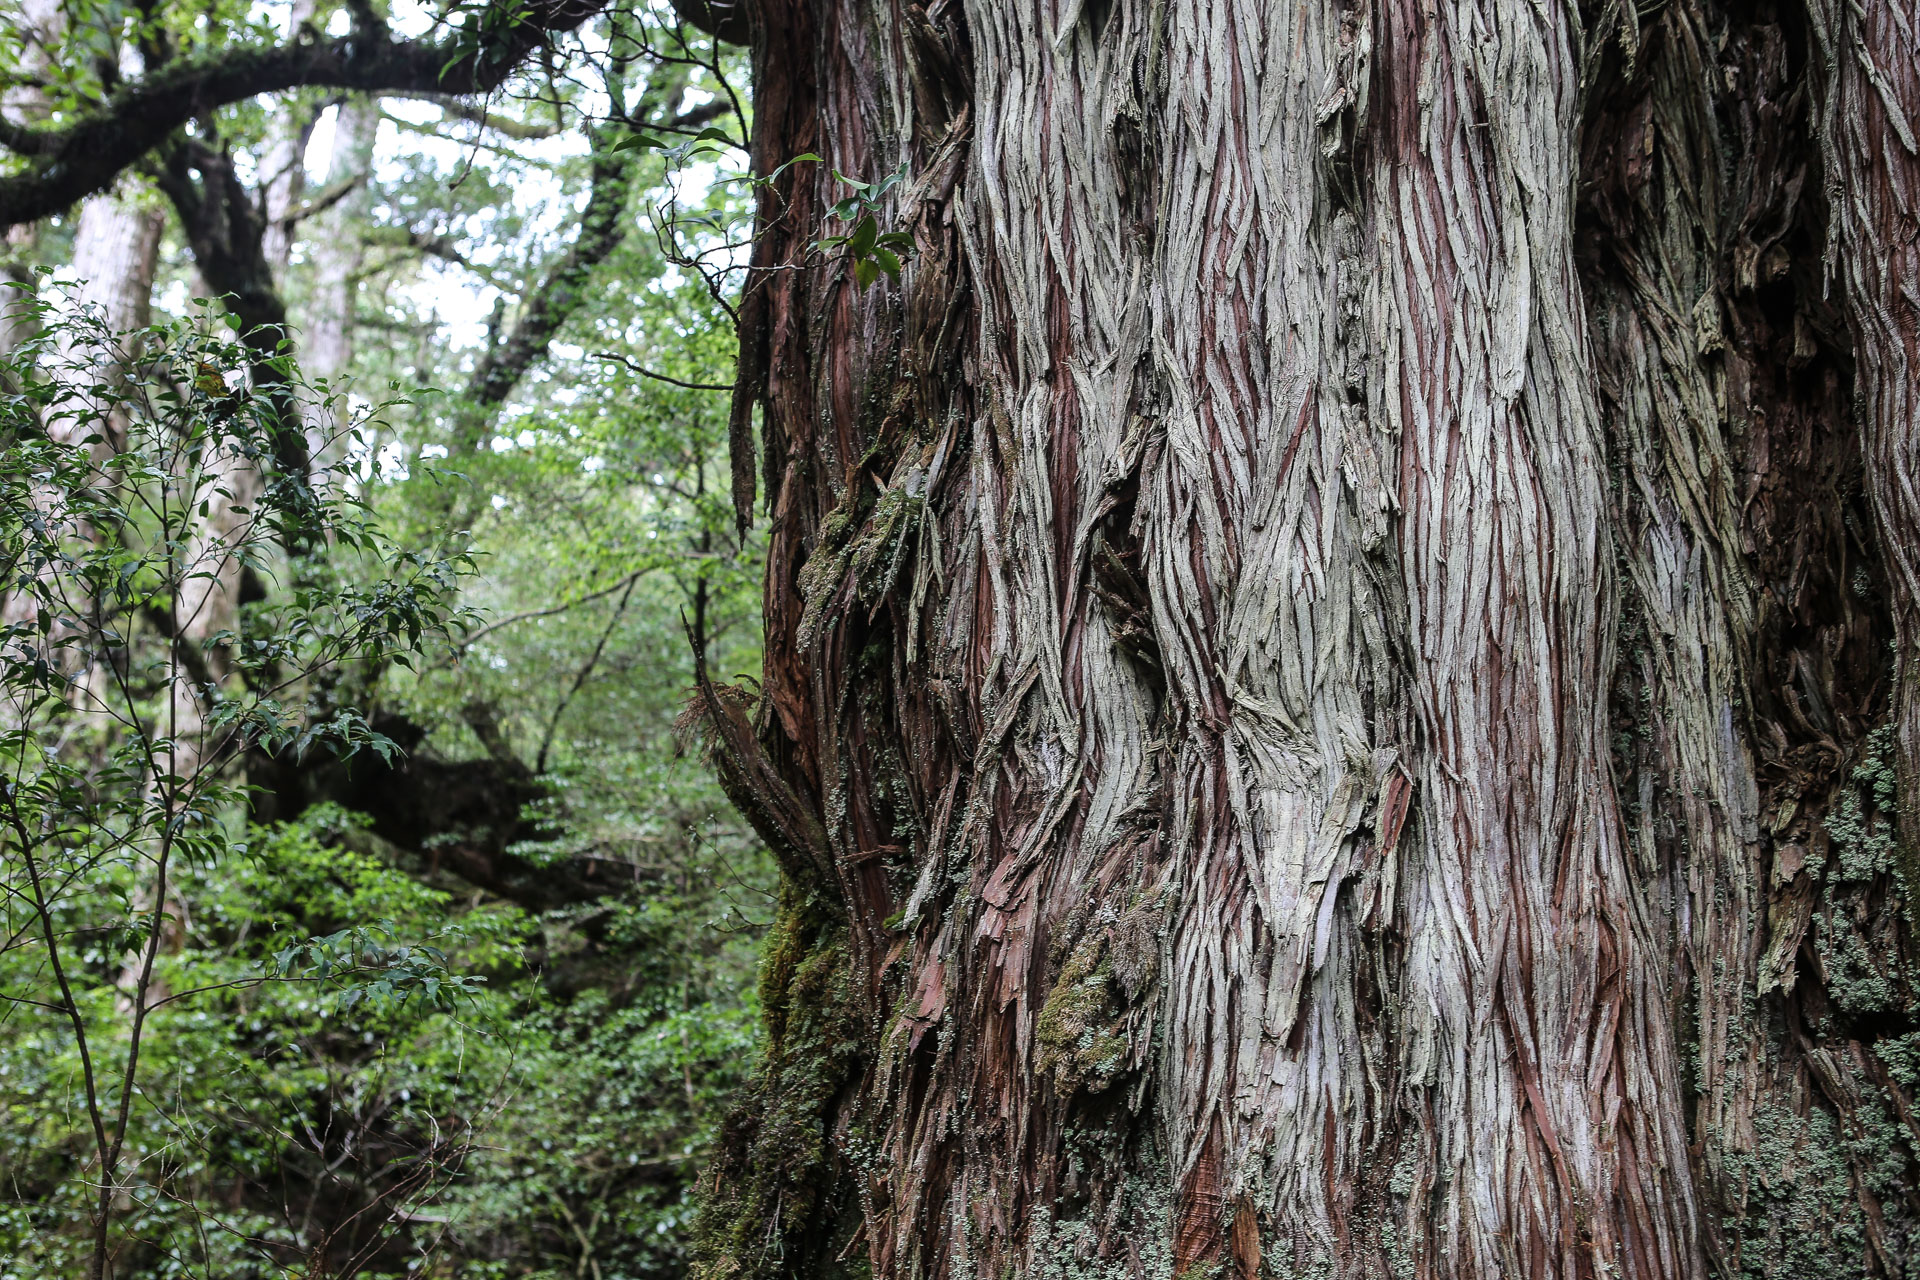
(1318, 643)
(1870, 107)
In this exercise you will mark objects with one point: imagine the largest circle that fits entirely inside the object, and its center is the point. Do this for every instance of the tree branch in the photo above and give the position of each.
(602, 227)
(644, 372)
(77, 159)
(581, 677)
(328, 197)
(467, 642)
(722, 19)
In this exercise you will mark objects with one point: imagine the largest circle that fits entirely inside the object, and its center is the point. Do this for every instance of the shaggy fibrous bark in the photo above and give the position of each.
(1335, 642)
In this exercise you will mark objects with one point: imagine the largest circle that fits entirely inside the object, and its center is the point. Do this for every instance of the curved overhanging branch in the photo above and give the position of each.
(77, 159)
(722, 19)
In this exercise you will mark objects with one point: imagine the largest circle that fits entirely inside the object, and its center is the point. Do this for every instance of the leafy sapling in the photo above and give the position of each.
(142, 500)
(710, 141)
(872, 252)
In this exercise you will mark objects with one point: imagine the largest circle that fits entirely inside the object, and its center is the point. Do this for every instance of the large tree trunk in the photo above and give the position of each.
(1328, 642)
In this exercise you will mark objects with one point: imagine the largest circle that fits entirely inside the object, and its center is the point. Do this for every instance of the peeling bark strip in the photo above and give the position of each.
(1328, 643)
(1535, 1034)
(1870, 108)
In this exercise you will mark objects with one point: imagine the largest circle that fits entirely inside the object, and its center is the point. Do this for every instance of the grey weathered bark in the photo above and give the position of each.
(336, 250)
(116, 248)
(1327, 643)
(116, 237)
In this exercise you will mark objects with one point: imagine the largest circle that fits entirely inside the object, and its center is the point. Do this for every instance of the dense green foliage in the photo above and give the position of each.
(455, 971)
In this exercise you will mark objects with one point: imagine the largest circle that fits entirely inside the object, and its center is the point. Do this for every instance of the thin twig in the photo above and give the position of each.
(645, 372)
(468, 642)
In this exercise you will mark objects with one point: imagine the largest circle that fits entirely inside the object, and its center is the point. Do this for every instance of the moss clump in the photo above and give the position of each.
(1857, 932)
(869, 540)
(881, 549)
(1861, 822)
(1129, 1237)
(1082, 1032)
(773, 1193)
(1401, 1185)
(1902, 1056)
(1093, 1026)
(1801, 1216)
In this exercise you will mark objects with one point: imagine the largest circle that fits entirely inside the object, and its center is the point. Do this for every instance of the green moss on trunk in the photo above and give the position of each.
(775, 1195)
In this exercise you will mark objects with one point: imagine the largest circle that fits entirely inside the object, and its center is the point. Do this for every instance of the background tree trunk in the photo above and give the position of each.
(1328, 642)
(337, 251)
(282, 175)
(116, 247)
(116, 237)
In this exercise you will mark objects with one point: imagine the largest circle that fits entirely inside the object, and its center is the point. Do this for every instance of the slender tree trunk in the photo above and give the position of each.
(282, 174)
(117, 235)
(18, 284)
(1330, 640)
(37, 23)
(116, 242)
(337, 250)
(116, 246)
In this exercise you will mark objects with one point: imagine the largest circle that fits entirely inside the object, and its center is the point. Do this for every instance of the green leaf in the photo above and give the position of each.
(802, 158)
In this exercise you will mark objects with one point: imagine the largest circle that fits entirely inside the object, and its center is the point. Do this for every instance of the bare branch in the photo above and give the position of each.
(467, 642)
(325, 199)
(643, 371)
